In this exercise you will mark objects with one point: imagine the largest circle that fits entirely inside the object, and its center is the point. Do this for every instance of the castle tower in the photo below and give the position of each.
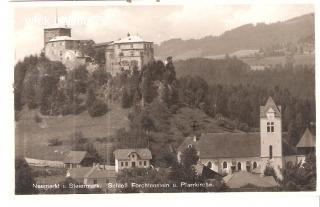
(55, 31)
(271, 136)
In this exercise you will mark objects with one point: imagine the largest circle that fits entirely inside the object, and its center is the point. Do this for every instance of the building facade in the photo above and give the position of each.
(127, 53)
(60, 46)
(228, 152)
(131, 158)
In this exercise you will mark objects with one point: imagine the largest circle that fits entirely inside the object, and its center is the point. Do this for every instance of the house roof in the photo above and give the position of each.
(243, 178)
(270, 104)
(75, 157)
(123, 154)
(76, 173)
(223, 145)
(130, 39)
(100, 172)
(96, 171)
(307, 139)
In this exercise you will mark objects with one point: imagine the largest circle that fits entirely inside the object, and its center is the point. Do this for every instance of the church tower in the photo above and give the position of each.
(271, 136)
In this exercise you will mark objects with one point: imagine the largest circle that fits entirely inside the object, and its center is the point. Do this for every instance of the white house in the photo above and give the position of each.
(130, 158)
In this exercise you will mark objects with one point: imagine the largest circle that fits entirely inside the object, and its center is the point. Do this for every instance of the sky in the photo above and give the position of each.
(155, 23)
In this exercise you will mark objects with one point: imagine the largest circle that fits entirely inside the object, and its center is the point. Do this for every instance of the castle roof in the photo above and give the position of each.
(130, 39)
(61, 38)
(270, 105)
(58, 26)
(123, 154)
(307, 140)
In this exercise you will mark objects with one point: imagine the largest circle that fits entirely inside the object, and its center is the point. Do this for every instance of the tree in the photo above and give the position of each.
(24, 179)
(98, 108)
(189, 157)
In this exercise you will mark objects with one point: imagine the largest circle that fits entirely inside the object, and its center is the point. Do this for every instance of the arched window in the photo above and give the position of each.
(270, 152)
(239, 166)
(189, 145)
(209, 165)
(254, 165)
(225, 165)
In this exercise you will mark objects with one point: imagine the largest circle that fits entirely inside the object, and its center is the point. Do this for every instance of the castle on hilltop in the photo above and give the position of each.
(123, 54)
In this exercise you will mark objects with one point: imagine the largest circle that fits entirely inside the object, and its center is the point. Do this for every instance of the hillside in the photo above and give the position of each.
(32, 137)
(233, 71)
(245, 37)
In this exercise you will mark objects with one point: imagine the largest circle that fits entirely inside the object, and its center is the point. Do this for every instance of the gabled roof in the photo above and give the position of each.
(307, 139)
(76, 173)
(225, 145)
(243, 178)
(93, 172)
(99, 172)
(123, 154)
(75, 157)
(270, 104)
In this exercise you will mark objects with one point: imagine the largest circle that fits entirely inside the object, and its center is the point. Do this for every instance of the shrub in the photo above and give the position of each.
(37, 118)
(98, 108)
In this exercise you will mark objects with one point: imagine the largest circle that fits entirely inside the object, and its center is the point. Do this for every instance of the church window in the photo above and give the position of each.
(270, 152)
(239, 166)
(270, 127)
(209, 165)
(254, 165)
(225, 165)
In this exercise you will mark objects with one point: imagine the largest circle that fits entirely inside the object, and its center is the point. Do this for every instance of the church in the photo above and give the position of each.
(228, 152)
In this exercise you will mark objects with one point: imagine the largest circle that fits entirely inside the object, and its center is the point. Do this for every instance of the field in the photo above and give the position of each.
(32, 137)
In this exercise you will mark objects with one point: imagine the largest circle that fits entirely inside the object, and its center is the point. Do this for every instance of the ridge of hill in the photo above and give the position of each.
(245, 37)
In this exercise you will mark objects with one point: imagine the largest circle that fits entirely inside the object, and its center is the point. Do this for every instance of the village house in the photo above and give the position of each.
(94, 175)
(130, 158)
(305, 147)
(78, 159)
(228, 152)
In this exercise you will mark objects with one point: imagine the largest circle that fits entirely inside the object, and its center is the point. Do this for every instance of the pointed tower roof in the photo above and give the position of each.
(307, 139)
(270, 105)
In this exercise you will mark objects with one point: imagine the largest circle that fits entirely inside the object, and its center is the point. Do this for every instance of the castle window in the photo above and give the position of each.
(270, 127)
(270, 152)
(225, 165)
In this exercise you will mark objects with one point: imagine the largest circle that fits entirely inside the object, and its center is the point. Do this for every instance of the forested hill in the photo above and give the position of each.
(299, 80)
(247, 36)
